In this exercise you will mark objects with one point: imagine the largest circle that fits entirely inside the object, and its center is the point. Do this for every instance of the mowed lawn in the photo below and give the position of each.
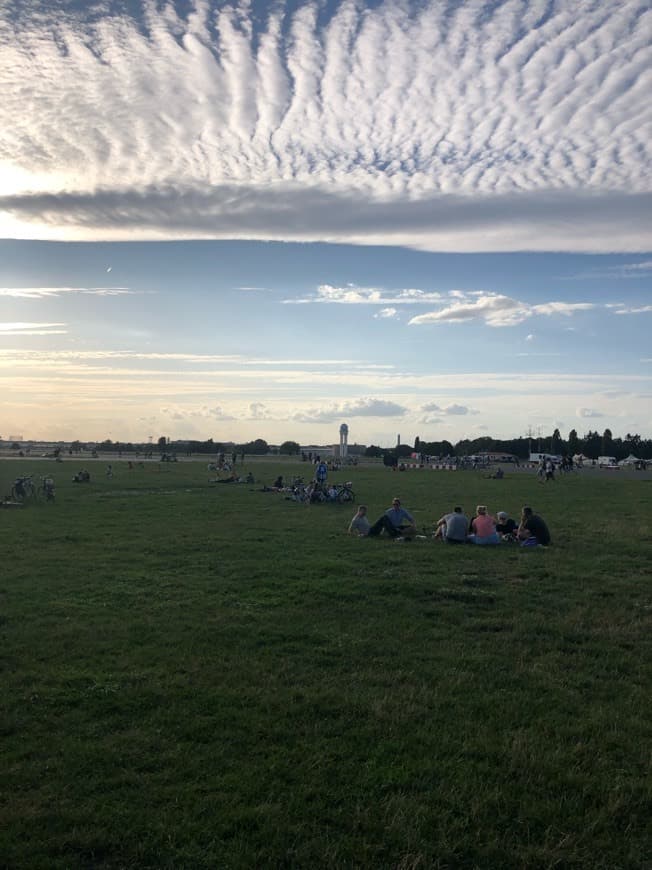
(211, 676)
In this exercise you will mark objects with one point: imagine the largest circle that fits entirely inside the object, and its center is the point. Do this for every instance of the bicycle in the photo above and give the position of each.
(345, 492)
(23, 488)
(46, 489)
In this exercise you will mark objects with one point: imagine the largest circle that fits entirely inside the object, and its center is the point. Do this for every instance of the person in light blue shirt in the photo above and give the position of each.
(396, 522)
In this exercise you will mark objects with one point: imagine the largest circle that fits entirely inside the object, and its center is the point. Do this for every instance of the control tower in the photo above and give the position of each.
(344, 440)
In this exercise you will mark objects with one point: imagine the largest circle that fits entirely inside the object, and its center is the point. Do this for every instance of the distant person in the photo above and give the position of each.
(550, 470)
(452, 527)
(360, 524)
(483, 528)
(321, 472)
(249, 478)
(278, 483)
(506, 526)
(109, 470)
(532, 530)
(396, 522)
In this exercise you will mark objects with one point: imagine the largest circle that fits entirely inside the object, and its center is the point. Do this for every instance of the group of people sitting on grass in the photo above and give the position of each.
(455, 528)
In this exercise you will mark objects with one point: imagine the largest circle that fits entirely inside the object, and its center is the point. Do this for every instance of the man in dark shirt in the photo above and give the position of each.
(533, 530)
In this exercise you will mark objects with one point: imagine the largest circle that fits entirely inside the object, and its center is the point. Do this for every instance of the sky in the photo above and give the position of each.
(239, 220)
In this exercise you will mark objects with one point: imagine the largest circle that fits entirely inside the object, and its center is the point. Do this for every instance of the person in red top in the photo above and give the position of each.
(483, 527)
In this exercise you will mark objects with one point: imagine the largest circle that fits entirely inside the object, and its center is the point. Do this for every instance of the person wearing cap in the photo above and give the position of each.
(506, 526)
(533, 531)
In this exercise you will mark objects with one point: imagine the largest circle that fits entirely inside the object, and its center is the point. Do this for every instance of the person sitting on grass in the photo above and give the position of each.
(506, 526)
(533, 531)
(452, 527)
(396, 522)
(483, 528)
(360, 524)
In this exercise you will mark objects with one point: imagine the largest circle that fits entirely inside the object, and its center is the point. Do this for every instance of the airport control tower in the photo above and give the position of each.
(344, 440)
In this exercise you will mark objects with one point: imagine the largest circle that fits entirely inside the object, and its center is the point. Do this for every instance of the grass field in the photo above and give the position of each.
(215, 677)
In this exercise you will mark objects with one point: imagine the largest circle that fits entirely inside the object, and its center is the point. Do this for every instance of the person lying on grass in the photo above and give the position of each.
(533, 531)
(395, 522)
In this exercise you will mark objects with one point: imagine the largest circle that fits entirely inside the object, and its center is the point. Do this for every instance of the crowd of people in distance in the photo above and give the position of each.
(482, 529)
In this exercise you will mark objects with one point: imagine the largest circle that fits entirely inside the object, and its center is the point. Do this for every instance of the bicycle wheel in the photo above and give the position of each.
(346, 495)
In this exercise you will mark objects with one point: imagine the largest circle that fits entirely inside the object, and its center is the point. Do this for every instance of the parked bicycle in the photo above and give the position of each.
(46, 489)
(23, 488)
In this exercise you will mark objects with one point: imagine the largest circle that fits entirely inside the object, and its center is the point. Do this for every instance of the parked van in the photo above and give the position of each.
(606, 460)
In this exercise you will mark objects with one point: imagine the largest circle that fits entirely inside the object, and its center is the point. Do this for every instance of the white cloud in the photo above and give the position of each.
(643, 309)
(351, 295)
(588, 413)
(386, 313)
(458, 410)
(496, 309)
(46, 292)
(257, 411)
(566, 309)
(359, 408)
(201, 413)
(28, 328)
(453, 410)
(507, 126)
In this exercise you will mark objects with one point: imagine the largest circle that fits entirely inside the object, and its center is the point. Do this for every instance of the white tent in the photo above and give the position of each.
(629, 460)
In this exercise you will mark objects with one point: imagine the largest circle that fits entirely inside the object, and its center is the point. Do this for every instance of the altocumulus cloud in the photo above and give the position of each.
(495, 309)
(453, 410)
(360, 408)
(470, 126)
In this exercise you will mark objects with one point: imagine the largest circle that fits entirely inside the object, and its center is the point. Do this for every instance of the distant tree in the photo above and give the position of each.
(259, 447)
(417, 444)
(437, 448)
(573, 442)
(592, 444)
(162, 442)
(556, 443)
(607, 443)
(390, 458)
(290, 448)
(403, 450)
(373, 451)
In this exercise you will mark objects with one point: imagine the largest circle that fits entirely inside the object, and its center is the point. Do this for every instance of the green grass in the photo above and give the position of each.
(213, 676)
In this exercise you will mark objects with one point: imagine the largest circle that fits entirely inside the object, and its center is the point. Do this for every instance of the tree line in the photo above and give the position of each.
(591, 445)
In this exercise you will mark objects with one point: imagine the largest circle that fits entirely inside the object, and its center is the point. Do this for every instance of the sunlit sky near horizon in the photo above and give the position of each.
(242, 220)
